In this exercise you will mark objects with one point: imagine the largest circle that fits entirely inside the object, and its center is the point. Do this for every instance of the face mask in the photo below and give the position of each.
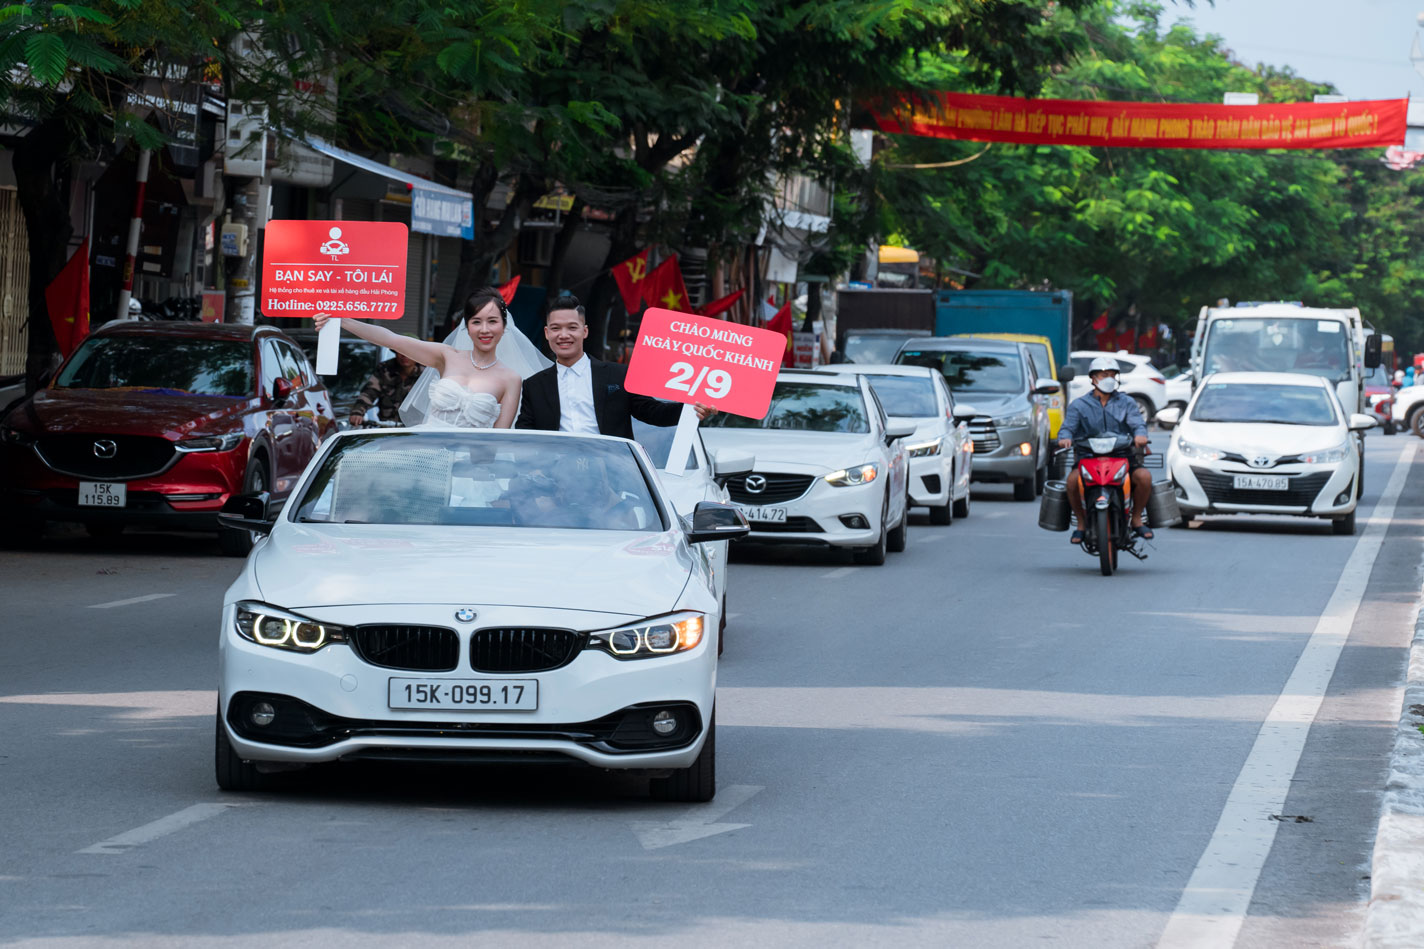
(1107, 385)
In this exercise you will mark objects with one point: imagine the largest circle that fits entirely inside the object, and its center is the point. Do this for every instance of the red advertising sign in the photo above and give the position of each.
(686, 358)
(345, 268)
(981, 118)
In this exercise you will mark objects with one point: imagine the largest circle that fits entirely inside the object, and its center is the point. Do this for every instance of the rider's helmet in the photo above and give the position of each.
(1103, 364)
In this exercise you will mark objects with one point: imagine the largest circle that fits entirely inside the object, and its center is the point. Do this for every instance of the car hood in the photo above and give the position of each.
(125, 411)
(621, 572)
(1247, 438)
(780, 446)
(994, 404)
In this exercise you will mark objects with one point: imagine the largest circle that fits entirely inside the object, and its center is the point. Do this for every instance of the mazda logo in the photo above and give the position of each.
(106, 448)
(756, 484)
(1260, 461)
(465, 615)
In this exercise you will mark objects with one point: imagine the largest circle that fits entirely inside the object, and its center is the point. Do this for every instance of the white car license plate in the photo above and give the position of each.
(774, 515)
(1260, 483)
(103, 494)
(506, 695)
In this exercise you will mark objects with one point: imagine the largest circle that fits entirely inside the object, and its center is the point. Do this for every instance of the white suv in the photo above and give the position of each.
(1137, 377)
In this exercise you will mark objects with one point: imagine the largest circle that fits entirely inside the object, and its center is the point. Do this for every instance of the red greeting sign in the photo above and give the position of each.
(685, 358)
(980, 118)
(344, 268)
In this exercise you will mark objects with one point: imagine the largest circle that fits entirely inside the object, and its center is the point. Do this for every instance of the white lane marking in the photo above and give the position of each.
(160, 828)
(839, 572)
(697, 821)
(1215, 902)
(131, 600)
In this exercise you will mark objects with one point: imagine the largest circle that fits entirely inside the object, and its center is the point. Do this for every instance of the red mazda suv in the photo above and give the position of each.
(158, 424)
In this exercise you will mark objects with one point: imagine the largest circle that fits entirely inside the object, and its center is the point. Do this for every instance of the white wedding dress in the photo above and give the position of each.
(453, 404)
(436, 401)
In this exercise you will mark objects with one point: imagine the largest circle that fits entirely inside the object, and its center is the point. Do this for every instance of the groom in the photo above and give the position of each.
(581, 394)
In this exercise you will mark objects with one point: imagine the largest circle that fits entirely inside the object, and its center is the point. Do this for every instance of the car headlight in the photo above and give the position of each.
(861, 474)
(924, 449)
(211, 442)
(269, 626)
(1012, 421)
(1339, 453)
(1193, 450)
(657, 637)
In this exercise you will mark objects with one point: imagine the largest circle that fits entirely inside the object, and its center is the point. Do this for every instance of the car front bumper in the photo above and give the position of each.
(826, 514)
(1007, 462)
(930, 480)
(1322, 490)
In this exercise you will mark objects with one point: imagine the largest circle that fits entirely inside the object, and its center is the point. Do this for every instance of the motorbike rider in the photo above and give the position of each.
(1106, 411)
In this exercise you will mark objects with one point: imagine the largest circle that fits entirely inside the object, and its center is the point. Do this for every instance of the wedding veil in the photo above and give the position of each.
(515, 350)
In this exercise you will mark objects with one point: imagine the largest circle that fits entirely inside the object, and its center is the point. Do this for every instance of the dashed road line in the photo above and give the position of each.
(839, 572)
(153, 830)
(131, 601)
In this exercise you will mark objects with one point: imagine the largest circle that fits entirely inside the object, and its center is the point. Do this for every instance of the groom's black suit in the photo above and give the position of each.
(613, 406)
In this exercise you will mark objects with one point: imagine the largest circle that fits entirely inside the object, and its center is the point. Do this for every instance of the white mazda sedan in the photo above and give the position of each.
(1266, 443)
(830, 468)
(444, 594)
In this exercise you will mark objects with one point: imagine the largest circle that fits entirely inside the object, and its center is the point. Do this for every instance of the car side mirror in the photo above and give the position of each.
(1045, 387)
(727, 463)
(247, 512)
(1169, 417)
(713, 520)
(963, 411)
(1373, 350)
(282, 389)
(1361, 423)
(1067, 374)
(899, 428)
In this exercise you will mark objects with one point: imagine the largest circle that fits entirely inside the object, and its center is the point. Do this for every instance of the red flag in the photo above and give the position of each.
(67, 299)
(1101, 323)
(781, 323)
(630, 276)
(1147, 340)
(718, 307)
(509, 290)
(1126, 338)
(664, 287)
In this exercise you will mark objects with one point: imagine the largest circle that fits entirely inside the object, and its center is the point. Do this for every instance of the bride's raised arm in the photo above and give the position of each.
(423, 352)
(509, 401)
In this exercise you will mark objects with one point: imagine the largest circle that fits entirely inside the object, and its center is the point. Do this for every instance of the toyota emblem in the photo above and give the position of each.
(106, 448)
(465, 615)
(755, 484)
(1260, 461)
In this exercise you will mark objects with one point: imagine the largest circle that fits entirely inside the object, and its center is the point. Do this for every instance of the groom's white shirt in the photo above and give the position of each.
(576, 397)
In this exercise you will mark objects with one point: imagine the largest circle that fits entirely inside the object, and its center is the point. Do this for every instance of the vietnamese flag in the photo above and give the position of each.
(630, 276)
(718, 307)
(664, 287)
(509, 290)
(781, 323)
(67, 299)
(1148, 340)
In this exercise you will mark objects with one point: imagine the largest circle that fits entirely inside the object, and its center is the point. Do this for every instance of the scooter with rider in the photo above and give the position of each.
(1103, 413)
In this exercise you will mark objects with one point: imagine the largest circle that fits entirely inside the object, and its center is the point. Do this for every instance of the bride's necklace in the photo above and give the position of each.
(477, 365)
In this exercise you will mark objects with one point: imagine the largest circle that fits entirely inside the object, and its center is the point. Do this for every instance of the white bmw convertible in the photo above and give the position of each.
(438, 595)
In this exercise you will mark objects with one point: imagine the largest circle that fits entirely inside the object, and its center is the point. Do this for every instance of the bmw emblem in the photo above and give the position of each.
(755, 483)
(465, 615)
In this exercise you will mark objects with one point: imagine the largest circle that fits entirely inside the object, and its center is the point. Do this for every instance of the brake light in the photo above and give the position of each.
(1159, 381)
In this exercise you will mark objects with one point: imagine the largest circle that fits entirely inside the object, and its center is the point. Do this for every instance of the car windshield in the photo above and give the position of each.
(873, 350)
(970, 371)
(905, 396)
(176, 365)
(806, 407)
(473, 478)
(1261, 344)
(657, 442)
(1252, 402)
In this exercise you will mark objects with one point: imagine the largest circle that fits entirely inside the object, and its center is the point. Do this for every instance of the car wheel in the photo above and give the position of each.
(1415, 420)
(1343, 526)
(1023, 490)
(896, 540)
(874, 556)
(236, 543)
(232, 772)
(694, 785)
(944, 514)
(1144, 405)
(1040, 480)
(1389, 428)
(961, 508)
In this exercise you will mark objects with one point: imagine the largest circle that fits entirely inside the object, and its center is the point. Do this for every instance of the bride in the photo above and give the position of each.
(472, 380)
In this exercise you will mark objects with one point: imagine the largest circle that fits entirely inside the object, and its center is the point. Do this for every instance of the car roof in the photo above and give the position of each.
(811, 375)
(886, 331)
(1303, 379)
(1094, 353)
(171, 328)
(1009, 337)
(964, 344)
(877, 369)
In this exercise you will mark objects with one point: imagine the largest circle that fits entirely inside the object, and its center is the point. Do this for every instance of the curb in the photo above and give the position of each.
(1394, 918)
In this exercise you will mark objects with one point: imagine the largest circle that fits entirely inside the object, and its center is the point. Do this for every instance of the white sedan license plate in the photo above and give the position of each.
(504, 695)
(1260, 483)
(774, 515)
(103, 494)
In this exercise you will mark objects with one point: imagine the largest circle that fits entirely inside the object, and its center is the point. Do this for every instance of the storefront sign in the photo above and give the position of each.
(441, 214)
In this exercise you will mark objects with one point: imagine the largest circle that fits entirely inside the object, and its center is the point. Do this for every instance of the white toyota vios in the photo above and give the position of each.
(830, 466)
(941, 450)
(441, 594)
(1266, 443)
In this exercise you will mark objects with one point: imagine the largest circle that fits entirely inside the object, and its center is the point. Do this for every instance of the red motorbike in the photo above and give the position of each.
(1106, 483)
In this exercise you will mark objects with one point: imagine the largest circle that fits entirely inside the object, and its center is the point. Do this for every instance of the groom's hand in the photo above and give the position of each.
(704, 412)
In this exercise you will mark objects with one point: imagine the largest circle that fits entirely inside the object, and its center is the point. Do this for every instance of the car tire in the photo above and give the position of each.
(1414, 421)
(1389, 428)
(1144, 405)
(898, 538)
(1023, 490)
(943, 515)
(1343, 526)
(1040, 481)
(234, 774)
(961, 508)
(874, 555)
(696, 784)
(236, 543)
